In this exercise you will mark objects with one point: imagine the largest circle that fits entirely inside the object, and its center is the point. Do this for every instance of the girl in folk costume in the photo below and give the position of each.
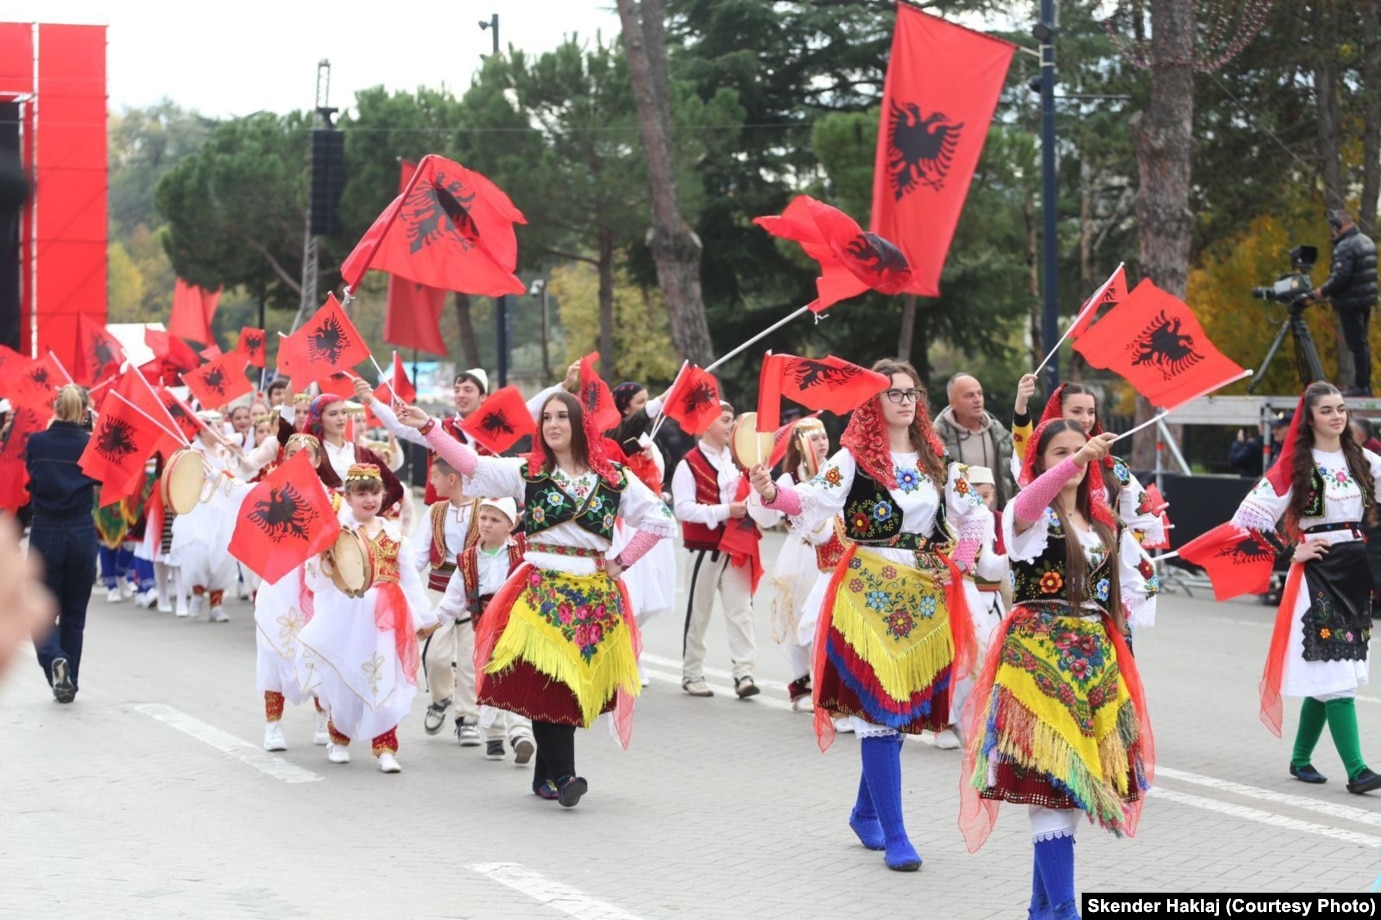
(116, 549)
(1119, 487)
(1057, 719)
(201, 537)
(1324, 485)
(893, 629)
(327, 419)
(652, 585)
(802, 558)
(558, 644)
(281, 609)
(359, 655)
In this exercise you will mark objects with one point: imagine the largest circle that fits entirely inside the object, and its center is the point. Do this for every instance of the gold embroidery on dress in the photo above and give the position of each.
(371, 670)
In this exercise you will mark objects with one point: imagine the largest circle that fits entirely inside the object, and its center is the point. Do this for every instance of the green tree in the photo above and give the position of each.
(144, 144)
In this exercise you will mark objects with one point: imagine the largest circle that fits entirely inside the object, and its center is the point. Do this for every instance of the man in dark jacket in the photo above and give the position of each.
(1351, 286)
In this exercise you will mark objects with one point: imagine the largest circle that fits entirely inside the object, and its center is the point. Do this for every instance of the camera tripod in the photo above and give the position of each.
(1306, 355)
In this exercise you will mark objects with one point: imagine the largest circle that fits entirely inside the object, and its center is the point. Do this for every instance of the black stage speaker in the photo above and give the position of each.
(328, 180)
(14, 190)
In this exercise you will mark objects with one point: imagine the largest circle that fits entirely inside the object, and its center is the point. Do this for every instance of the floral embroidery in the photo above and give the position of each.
(908, 480)
(895, 605)
(889, 571)
(1145, 569)
(928, 606)
(1051, 582)
(371, 670)
(961, 486)
(900, 624)
(608, 522)
(832, 477)
(855, 563)
(882, 511)
(1143, 503)
(1068, 659)
(585, 615)
(1100, 590)
(856, 585)
(876, 600)
(860, 522)
(537, 513)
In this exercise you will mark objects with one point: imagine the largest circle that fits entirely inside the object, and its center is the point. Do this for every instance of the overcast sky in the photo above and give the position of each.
(261, 55)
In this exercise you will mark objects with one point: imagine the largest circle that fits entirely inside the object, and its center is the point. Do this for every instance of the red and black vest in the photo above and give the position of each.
(440, 564)
(701, 536)
(469, 565)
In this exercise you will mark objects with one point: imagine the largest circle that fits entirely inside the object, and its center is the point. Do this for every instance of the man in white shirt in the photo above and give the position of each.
(709, 496)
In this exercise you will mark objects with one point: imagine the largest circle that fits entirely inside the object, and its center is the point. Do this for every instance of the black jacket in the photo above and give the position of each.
(1351, 283)
(59, 491)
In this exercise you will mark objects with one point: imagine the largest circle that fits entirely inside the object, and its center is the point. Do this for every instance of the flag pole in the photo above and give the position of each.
(766, 332)
(662, 416)
(1091, 304)
(1163, 556)
(70, 381)
(177, 435)
(350, 283)
(1146, 424)
(380, 372)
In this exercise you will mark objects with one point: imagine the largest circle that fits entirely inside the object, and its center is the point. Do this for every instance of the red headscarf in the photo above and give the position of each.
(1098, 495)
(866, 439)
(596, 454)
(1054, 409)
(1283, 470)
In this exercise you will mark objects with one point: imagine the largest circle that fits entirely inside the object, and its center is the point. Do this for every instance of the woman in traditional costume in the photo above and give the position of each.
(893, 628)
(1324, 484)
(1057, 719)
(327, 419)
(559, 643)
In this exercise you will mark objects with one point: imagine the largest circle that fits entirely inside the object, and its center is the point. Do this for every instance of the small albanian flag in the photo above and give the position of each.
(1236, 560)
(251, 345)
(115, 455)
(451, 228)
(326, 343)
(284, 520)
(170, 349)
(396, 386)
(181, 413)
(99, 354)
(501, 420)
(1109, 294)
(136, 391)
(595, 397)
(14, 473)
(693, 401)
(219, 382)
(851, 260)
(193, 309)
(38, 384)
(781, 439)
(830, 384)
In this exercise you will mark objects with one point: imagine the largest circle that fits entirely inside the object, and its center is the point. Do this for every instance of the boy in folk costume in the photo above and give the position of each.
(481, 571)
(451, 527)
(359, 655)
(710, 496)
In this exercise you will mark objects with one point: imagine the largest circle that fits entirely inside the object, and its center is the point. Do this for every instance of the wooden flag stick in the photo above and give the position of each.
(1146, 424)
(764, 333)
(61, 368)
(152, 421)
(1092, 304)
(386, 383)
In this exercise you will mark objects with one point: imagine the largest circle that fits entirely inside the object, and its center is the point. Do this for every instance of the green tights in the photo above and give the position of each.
(1341, 715)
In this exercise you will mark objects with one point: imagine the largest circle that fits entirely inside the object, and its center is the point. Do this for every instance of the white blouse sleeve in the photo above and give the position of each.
(1139, 583)
(1134, 507)
(1262, 507)
(824, 496)
(496, 477)
(1030, 543)
(643, 509)
(1375, 463)
(423, 617)
(964, 506)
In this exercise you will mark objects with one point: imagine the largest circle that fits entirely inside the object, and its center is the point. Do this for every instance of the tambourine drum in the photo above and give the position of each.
(349, 564)
(183, 481)
(748, 446)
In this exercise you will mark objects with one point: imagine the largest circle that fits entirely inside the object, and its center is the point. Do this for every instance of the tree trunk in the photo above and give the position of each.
(605, 265)
(1164, 142)
(675, 247)
(921, 345)
(469, 345)
(1371, 116)
(908, 327)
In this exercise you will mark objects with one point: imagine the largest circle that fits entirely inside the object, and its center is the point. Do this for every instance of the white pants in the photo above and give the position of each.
(1049, 823)
(502, 725)
(712, 574)
(448, 657)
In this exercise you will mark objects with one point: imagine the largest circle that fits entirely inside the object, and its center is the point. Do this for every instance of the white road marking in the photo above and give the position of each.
(227, 743)
(1265, 817)
(675, 664)
(1331, 809)
(554, 894)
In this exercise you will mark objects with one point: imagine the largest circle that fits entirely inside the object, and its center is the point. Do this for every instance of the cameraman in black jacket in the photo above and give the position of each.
(1351, 286)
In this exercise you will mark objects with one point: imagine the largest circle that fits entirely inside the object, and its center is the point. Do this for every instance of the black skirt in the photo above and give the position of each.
(1337, 625)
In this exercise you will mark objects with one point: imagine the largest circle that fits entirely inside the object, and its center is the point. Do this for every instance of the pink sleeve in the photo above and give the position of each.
(970, 541)
(1031, 502)
(637, 547)
(459, 455)
(787, 501)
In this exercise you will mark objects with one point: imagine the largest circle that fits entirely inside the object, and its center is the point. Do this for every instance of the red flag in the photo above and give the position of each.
(99, 354)
(220, 381)
(595, 397)
(284, 520)
(413, 316)
(251, 345)
(451, 228)
(398, 387)
(1110, 293)
(193, 308)
(851, 261)
(1154, 340)
(115, 455)
(181, 414)
(341, 383)
(326, 343)
(1236, 561)
(38, 384)
(500, 421)
(829, 383)
(14, 474)
(12, 363)
(133, 389)
(693, 401)
(943, 82)
(211, 352)
(171, 349)
(782, 439)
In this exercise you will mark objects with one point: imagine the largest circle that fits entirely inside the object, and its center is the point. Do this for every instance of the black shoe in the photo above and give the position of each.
(572, 788)
(63, 691)
(1366, 781)
(493, 750)
(546, 789)
(1307, 774)
(745, 687)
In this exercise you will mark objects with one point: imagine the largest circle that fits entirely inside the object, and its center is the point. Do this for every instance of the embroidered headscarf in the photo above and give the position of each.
(1282, 471)
(314, 412)
(1098, 494)
(866, 439)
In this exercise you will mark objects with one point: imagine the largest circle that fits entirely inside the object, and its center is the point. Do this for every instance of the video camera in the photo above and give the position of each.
(1292, 286)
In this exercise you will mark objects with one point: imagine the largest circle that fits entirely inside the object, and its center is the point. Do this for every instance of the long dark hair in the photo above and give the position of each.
(1077, 587)
(580, 447)
(1303, 472)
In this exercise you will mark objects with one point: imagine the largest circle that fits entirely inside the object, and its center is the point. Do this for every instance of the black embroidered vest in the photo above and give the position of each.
(546, 504)
(872, 518)
(1042, 580)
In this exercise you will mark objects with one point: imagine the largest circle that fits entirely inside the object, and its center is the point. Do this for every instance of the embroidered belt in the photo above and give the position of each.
(911, 541)
(1354, 527)
(579, 552)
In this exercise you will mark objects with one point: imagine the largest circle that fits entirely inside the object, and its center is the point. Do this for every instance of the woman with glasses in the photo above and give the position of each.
(893, 629)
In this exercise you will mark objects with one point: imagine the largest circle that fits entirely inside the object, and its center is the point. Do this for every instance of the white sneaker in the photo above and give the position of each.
(218, 615)
(323, 735)
(844, 725)
(947, 740)
(166, 607)
(803, 704)
(195, 607)
(144, 599)
(337, 753)
(642, 679)
(273, 737)
(112, 596)
(127, 589)
(388, 763)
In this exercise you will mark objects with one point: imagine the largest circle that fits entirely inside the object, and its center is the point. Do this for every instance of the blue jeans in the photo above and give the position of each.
(116, 564)
(68, 550)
